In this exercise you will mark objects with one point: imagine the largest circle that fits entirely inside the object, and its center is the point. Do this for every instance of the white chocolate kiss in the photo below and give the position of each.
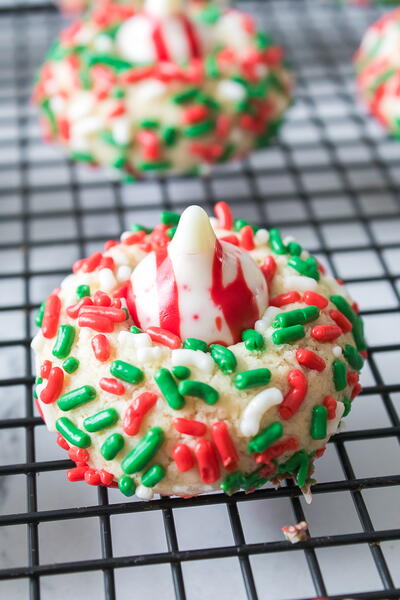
(192, 253)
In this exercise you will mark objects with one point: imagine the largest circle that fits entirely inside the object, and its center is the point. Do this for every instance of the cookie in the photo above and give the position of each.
(162, 90)
(204, 354)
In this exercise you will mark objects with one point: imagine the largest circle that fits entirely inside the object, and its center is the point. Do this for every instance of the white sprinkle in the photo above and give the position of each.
(121, 130)
(133, 341)
(37, 342)
(256, 408)
(148, 90)
(144, 493)
(149, 354)
(289, 238)
(231, 90)
(120, 258)
(124, 235)
(337, 351)
(123, 273)
(192, 358)
(299, 283)
(57, 104)
(81, 106)
(79, 143)
(86, 126)
(333, 424)
(270, 314)
(107, 280)
(261, 237)
(103, 43)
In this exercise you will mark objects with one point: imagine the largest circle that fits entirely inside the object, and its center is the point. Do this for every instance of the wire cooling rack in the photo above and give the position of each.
(332, 181)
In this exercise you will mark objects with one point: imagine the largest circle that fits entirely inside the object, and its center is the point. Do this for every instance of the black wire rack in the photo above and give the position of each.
(332, 180)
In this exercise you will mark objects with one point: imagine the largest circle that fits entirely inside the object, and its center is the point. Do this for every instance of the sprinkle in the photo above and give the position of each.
(268, 268)
(92, 477)
(299, 282)
(276, 243)
(149, 354)
(193, 358)
(76, 474)
(40, 313)
(318, 422)
(101, 420)
(96, 322)
(101, 347)
(295, 396)
(117, 315)
(89, 265)
(310, 297)
(253, 340)
(288, 334)
(233, 482)
(72, 434)
(286, 298)
(299, 316)
(330, 404)
(77, 397)
(310, 359)
(80, 456)
(112, 386)
(113, 444)
(339, 375)
(252, 378)
(298, 461)
(358, 330)
(355, 391)
(164, 337)
(224, 358)
(247, 238)
(224, 445)
(126, 372)
(169, 389)
(185, 95)
(183, 457)
(207, 461)
(82, 291)
(268, 436)
(198, 389)
(152, 476)
(54, 386)
(107, 280)
(261, 237)
(138, 458)
(169, 218)
(45, 370)
(190, 427)
(133, 342)
(337, 351)
(251, 417)
(51, 316)
(180, 372)
(144, 493)
(198, 129)
(340, 320)
(136, 412)
(73, 311)
(276, 450)
(308, 267)
(62, 443)
(70, 364)
(326, 333)
(126, 485)
(294, 248)
(353, 357)
(347, 406)
(224, 215)
(106, 478)
(195, 344)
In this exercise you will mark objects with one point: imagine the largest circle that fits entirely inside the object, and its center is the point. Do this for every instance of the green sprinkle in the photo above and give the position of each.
(101, 420)
(339, 375)
(119, 162)
(353, 357)
(344, 307)
(199, 390)
(70, 364)
(113, 444)
(38, 381)
(82, 291)
(195, 344)
(224, 358)
(253, 480)
(210, 15)
(40, 313)
(227, 153)
(113, 61)
(143, 452)
(238, 224)
(288, 334)
(299, 462)
(181, 372)
(135, 329)
(169, 135)
(185, 95)
(198, 129)
(262, 40)
(308, 267)
(253, 340)
(50, 115)
(72, 434)
(358, 334)
(149, 124)
(171, 232)
(152, 476)
(118, 92)
(358, 327)
(154, 166)
(294, 249)
(136, 227)
(265, 438)
(276, 243)
(82, 157)
(126, 485)
(211, 66)
(126, 372)
(77, 397)
(347, 405)
(65, 339)
(169, 218)
(299, 316)
(233, 482)
(252, 378)
(169, 389)
(318, 422)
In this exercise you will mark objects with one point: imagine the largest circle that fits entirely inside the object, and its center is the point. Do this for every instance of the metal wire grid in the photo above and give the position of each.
(328, 171)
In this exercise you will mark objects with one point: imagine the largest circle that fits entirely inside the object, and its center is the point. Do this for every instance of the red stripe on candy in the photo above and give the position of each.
(231, 239)
(51, 316)
(191, 36)
(207, 461)
(136, 412)
(183, 457)
(164, 337)
(294, 398)
(340, 320)
(167, 293)
(101, 347)
(225, 446)
(190, 427)
(325, 333)
(112, 386)
(54, 386)
(314, 299)
(309, 359)
(286, 298)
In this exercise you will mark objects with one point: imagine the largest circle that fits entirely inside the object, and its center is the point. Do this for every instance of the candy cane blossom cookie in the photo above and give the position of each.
(204, 354)
(377, 62)
(163, 88)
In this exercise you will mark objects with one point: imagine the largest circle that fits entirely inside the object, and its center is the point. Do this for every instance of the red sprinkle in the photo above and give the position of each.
(325, 333)
(109, 244)
(183, 457)
(356, 390)
(231, 239)
(92, 477)
(330, 404)
(91, 263)
(73, 310)
(340, 320)
(309, 359)
(107, 262)
(294, 398)
(283, 299)
(54, 386)
(164, 337)
(121, 291)
(62, 442)
(112, 386)
(101, 347)
(137, 410)
(45, 369)
(268, 268)
(223, 213)
(225, 445)
(207, 461)
(51, 316)
(276, 450)
(96, 322)
(195, 113)
(314, 299)
(320, 452)
(80, 456)
(189, 426)
(352, 377)
(106, 478)
(134, 238)
(117, 315)
(77, 474)
(101, 299)
(247, 238)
